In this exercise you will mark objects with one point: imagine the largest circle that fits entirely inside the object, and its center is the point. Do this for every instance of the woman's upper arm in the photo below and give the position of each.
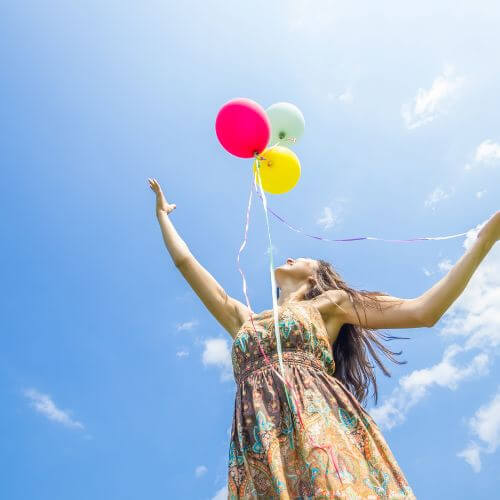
(226, 310)
(395, 312)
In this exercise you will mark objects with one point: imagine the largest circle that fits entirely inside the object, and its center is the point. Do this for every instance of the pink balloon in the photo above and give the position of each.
(243, 127)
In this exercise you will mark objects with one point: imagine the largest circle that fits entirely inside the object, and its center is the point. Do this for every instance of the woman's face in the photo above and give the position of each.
(297, 269)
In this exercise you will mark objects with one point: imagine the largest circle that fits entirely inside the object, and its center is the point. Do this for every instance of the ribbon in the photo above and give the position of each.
(295, 408)
(365, 237)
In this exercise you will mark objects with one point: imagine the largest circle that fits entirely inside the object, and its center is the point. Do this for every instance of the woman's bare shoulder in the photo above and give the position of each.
(328, 302)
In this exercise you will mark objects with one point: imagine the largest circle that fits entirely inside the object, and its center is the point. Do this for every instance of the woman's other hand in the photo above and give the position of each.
(162, 204)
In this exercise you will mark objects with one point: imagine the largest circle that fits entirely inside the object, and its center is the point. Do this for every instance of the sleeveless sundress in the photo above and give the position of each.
(269, 453)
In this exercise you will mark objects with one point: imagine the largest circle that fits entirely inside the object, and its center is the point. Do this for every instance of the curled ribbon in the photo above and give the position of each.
(365, 237)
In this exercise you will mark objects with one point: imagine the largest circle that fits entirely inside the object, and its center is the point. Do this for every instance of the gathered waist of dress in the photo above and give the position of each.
(288, 356)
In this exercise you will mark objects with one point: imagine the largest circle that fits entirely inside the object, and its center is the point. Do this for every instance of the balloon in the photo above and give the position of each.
(279, 171)
(243, 127)
(287, 122)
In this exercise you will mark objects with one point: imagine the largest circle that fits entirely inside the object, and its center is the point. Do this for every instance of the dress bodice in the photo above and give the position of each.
(302, 330)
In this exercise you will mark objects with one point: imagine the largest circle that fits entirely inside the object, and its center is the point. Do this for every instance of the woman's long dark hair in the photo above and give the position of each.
(352, 366)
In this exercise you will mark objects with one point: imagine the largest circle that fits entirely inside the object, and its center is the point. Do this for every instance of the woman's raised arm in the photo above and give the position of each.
(175, 244)
(228, 311)
(428, 308)
(441, 296)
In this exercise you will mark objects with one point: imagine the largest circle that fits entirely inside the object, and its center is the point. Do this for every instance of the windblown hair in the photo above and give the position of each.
(352, 366)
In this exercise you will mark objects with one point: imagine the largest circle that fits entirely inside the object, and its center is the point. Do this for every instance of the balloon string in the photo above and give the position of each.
(276, 326)
(365, 237)
(326, 448)
(293, 139)
(273, 283)
(251, 319)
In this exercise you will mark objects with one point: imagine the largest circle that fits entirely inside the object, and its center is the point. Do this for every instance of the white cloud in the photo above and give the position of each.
(332, 213)
(471, 456)
(221, 494)
(200, 470)
(188, 325)
(388, 415)
(44, 405)
(427, 272)
(448, 373)
(487, 153)
(475, 318)
(480, 194)
(445, 265)
(437, 196)
(428, 104)
(345, 97)
(181, 354)
(327, 220)
(485, 424)
(216, 352)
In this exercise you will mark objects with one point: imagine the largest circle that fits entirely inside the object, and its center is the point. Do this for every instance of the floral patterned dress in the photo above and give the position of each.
(270, 455)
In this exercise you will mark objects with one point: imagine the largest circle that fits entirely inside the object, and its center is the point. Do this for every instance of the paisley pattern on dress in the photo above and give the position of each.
(270, 454)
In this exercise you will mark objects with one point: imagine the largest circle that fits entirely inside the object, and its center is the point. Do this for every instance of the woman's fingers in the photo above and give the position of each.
(161, 200)
(157, 184)
(153, 184)
(161, 203)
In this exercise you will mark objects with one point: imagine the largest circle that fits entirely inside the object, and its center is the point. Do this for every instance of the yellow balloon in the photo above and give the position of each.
(279, 170)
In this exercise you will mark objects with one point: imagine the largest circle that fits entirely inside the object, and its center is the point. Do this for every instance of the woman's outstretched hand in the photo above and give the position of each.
(161, 203)
(491, 230)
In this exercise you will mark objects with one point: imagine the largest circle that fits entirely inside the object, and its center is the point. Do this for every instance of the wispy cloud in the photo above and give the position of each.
(485, 424)
(487, 154)
(327, 219)
(471, 455)
(437, 196)
(181, 354)
(188, 325)
(428, 104)
(216, 352)
(475, 318)
(221, 494)
(43, 404)
(331, 214)
(200, 471)
(448, 373)
(427, 272)
(345, 97)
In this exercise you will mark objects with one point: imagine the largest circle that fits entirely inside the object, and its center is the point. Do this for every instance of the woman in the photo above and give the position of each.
(324, 340)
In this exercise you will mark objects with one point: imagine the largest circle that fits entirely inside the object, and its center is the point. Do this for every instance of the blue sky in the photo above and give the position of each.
(115, 381)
